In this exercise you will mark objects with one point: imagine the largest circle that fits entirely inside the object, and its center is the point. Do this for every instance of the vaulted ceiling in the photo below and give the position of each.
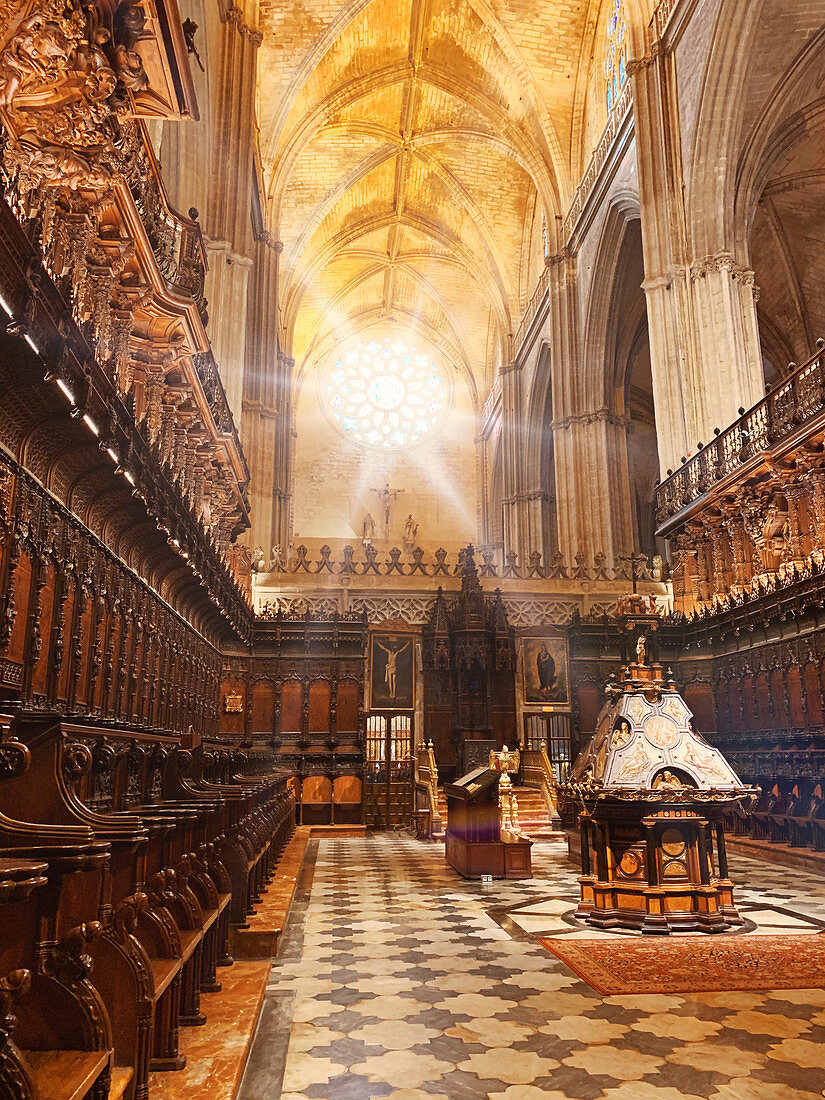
(409, 150)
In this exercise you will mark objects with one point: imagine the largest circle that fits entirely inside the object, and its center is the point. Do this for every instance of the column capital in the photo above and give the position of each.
(638, 64)
(602, 415)
(234, 14)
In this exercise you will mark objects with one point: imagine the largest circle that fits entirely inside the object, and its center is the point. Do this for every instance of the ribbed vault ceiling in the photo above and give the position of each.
(408, 146)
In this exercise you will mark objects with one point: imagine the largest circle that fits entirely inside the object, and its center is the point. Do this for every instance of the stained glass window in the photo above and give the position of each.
(385, 393)
(615, 62)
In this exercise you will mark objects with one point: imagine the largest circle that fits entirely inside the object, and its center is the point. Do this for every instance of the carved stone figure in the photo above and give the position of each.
(410, 532)
(386, 496)
(658, 567)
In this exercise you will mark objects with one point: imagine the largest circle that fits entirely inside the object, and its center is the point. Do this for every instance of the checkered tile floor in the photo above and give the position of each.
(395, 980)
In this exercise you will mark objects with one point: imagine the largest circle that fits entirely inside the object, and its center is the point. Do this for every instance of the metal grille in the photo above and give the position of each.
(551, 731)
(376, 738)
(389, 771)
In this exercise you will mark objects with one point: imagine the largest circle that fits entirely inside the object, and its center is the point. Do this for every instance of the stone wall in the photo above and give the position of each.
(334, 477)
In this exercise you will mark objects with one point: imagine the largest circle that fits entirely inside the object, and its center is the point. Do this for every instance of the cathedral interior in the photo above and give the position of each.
(412, 549)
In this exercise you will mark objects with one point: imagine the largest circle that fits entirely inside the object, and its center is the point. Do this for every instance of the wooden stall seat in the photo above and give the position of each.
(148, 854)
(316, 800)
(796, 827)
(772, 801)
(347, 798)
(817, 819)
(784, 804)
(293, 785)
(790, 810)
(58, 1038)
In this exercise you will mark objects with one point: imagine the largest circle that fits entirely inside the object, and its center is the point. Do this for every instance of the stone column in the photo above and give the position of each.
(228, 222)
(283, 490)
(516, 536)
(264, 404)
(704, 341)
(593, 488)
(215, 175)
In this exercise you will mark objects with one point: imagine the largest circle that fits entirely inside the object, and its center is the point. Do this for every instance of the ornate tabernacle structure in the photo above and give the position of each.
(652, 794)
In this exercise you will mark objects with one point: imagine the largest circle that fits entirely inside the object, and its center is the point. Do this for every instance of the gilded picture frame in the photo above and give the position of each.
(546, 675)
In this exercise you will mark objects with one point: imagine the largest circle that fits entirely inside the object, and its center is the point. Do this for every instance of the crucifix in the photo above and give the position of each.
(386, 496)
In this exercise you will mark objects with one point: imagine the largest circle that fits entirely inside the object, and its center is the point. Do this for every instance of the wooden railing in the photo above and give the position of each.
(428, 774)
(779, 415)
(427, 818)
(539, 772)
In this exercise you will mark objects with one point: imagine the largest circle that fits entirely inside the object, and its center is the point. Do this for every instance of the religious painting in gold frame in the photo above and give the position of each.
(546, 671)
(391, 671)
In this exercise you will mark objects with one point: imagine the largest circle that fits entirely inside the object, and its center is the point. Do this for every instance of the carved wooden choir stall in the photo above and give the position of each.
(134, 842)
(122, 887)
(301, 692)
(469, 674)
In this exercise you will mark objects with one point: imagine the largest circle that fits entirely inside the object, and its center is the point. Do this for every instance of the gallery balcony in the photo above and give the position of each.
(788, 417)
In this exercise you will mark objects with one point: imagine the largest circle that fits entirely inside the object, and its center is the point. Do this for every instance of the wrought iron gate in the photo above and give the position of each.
(388, 771)
(552, 731)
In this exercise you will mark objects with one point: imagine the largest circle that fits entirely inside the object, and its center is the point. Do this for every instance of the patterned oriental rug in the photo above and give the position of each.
(694, 965)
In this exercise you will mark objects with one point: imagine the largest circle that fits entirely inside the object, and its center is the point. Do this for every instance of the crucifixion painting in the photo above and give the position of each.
(391, 672)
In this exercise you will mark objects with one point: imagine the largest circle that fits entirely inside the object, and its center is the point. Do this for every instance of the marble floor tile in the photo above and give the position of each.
(216, 1052)
(397, 978)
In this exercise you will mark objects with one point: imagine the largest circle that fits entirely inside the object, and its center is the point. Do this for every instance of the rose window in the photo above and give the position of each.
(385, 393)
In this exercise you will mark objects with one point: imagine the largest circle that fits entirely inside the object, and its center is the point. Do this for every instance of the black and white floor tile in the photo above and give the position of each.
(399, 979)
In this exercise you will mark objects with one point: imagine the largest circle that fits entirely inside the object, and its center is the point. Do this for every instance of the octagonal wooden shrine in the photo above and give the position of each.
(651, 794)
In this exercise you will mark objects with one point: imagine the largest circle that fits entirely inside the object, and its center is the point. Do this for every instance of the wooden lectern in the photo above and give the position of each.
(473, 844)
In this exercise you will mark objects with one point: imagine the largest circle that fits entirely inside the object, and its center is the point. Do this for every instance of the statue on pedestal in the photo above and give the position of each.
(410, 532)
